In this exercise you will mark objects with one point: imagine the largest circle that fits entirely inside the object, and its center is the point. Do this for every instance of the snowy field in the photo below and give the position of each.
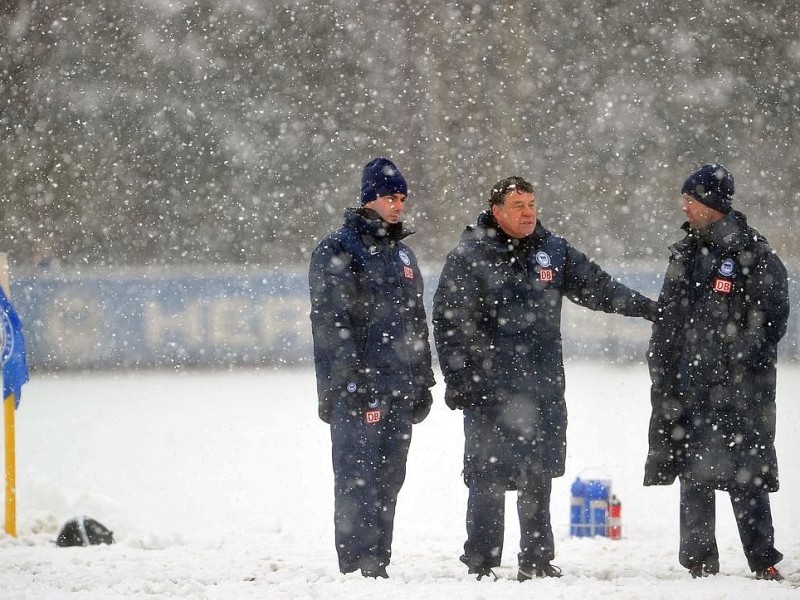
(219, 486)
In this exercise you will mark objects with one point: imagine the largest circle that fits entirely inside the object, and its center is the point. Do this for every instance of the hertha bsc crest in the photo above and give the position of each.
(727, 267)
(6, 338)
(543, 258)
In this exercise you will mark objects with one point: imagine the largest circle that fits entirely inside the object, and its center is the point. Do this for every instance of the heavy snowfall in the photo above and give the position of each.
(167, 167)
(197, 131)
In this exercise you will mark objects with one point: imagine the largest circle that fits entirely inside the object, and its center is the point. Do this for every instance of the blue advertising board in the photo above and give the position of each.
(165, 319)
(231, 316)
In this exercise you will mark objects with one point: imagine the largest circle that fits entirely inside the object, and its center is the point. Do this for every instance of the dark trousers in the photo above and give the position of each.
(753, 518)
(369, 467)
(486, 523)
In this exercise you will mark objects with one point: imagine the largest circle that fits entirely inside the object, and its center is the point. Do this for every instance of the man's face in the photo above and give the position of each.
(390, 208)
(517, 215)
(698, 214)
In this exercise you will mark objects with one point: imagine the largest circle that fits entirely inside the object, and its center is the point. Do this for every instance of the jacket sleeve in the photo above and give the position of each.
(457, 316)
(590, 286)
(333, 291)
(766, 314)
(424, 371)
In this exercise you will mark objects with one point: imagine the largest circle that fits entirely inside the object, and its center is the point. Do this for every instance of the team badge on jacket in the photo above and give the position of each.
(724, 284)
(407, 270)
(545, 273)
(373, 414)
(727, 267)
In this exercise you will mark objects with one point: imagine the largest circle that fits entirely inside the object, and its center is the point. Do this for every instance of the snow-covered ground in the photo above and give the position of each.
(218, 485)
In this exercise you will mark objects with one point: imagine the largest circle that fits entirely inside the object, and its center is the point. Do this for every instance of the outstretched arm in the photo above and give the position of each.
(590, 286)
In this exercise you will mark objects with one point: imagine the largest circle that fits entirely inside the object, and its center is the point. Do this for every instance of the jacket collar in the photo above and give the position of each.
(367, 222)
(729, 235)
(488, 231)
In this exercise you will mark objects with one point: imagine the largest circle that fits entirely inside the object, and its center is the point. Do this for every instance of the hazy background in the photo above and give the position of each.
(185, 132)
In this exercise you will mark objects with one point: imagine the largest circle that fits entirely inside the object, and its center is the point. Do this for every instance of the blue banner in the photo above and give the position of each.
(247, 317)
(12, 351)
(159, 320)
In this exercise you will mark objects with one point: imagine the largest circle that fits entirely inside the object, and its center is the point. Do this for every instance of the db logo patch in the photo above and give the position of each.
(408, 272)
(372, 416)
(723, 286)
(546, 275)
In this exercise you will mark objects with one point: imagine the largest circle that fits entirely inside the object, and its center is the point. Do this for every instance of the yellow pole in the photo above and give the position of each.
(10, 438)
(11, 467)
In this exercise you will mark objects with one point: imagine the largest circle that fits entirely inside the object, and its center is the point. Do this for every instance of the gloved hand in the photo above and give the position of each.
(422, 405)
(456, 398)
(653, 312)
(459, 395)
(324, 409)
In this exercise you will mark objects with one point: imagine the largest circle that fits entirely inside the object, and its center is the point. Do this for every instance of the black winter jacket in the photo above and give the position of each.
(724, 307)
(497, 325)
(368, 320)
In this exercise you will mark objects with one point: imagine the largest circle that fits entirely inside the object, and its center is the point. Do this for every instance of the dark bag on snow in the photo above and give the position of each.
(83, 531)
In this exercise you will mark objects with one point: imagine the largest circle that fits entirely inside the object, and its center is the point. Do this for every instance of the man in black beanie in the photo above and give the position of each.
(373, 363)
(712, 185)
(723, 309)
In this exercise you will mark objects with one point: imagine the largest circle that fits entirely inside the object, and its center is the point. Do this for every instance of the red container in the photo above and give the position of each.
(614, 523)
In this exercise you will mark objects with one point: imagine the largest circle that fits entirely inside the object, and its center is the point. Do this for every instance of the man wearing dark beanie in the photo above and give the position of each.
(373, 363)
(712, 185)
(723, 309)
(381, 178)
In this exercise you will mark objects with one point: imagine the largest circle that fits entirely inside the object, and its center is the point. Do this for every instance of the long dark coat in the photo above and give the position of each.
(368, 320)
(724, 307)
(497, 326)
